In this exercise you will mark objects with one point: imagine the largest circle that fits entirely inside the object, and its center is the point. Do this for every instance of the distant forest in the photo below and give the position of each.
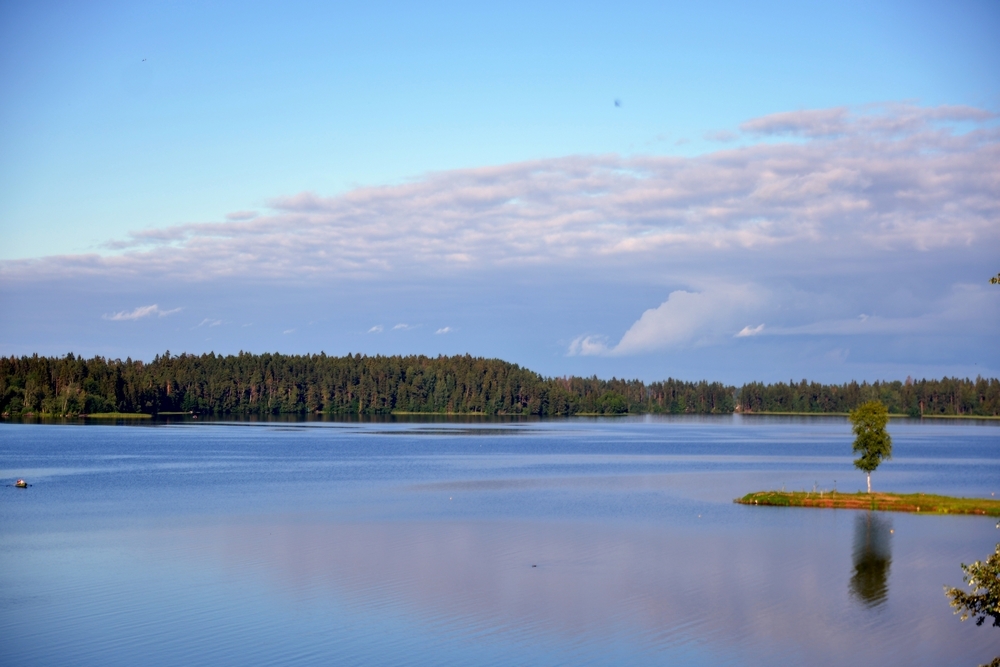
(272, 384)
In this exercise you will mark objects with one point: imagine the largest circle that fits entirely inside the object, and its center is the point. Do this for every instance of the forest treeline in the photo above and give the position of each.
(269, 384)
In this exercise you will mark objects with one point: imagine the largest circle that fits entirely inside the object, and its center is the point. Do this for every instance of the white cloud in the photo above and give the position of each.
(443, 330)
(684, 319)
(891, 119)
(750, 331)
(288, 331)
(401, 327)
(588, 346)
(210, 322)
(809, 123)
(895, 178)
(687, 317)
(376, 329)
(139, 313)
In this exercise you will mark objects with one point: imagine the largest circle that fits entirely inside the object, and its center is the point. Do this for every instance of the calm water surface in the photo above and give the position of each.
(572, 542)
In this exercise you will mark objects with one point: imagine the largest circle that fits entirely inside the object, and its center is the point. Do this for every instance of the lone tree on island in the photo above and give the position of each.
(868, 423)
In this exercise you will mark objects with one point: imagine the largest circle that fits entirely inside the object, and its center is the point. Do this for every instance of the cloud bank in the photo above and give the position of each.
(684, 318)
(831, 183)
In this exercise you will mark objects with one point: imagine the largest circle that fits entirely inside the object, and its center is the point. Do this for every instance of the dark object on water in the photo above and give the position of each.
(21, 484)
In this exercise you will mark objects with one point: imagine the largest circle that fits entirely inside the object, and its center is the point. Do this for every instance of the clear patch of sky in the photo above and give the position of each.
(118, 117)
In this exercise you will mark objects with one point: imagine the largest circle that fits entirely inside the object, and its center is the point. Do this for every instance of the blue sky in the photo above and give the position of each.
(781, 190)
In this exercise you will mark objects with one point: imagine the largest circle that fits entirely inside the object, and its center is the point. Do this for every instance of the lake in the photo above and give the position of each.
(582, 541)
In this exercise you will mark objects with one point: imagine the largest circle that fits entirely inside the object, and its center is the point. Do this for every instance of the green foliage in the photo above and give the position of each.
(252, 384)
(984, 600)
(995, 280)
(868, 421)
(945, 397)
(249, 384)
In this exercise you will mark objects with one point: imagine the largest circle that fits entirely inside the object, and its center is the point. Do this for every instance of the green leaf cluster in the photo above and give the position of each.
(868, 421)
(984, 599)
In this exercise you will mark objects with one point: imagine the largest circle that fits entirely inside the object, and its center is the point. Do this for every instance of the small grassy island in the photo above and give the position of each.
(885, 502)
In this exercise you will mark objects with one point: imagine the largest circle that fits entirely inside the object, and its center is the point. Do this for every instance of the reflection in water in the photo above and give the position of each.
(872, 558)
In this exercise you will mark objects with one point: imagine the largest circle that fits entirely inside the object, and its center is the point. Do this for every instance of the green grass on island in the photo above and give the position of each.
(923, 503)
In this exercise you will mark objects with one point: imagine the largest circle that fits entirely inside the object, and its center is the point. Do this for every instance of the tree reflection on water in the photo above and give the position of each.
(872, 558)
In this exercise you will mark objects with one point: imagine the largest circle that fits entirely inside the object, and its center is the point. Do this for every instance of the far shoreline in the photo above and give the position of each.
(293, 416)
(845, 414)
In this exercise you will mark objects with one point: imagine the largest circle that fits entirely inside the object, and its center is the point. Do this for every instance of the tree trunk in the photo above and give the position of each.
(869, 482)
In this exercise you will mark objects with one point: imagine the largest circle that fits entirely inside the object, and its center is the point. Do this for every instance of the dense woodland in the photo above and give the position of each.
(948, 396)
(271, 384)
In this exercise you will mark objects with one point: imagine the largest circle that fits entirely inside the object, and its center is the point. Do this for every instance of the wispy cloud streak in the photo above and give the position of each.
(140, 313)
(748, 331)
